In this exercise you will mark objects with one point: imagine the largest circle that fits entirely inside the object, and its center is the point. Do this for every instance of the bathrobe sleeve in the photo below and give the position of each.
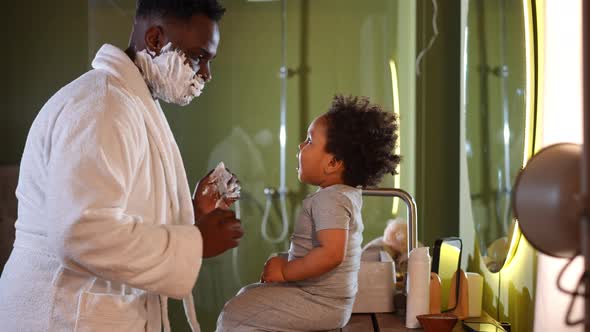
(92, 164)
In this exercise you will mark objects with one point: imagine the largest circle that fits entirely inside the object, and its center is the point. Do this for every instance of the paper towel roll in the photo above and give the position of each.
(475, 285)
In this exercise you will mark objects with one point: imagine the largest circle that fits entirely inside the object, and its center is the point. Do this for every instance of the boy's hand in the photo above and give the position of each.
(273, 270)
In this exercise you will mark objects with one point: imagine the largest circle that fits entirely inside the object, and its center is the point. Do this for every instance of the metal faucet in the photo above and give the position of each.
(412, 215)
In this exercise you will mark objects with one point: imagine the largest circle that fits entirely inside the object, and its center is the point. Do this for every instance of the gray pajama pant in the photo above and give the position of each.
(282, 307)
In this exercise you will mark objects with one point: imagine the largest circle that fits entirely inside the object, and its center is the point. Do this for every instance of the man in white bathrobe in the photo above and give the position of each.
(105, 218)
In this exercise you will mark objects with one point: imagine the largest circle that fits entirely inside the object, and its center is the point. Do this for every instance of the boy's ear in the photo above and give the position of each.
(334, 165)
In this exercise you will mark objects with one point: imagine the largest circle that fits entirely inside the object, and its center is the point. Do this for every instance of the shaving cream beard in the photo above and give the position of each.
(168, 75)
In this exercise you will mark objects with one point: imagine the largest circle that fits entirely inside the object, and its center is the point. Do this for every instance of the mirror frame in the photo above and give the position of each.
(532, 129)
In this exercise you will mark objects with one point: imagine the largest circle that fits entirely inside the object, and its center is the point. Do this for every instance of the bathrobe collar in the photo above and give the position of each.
(117, 63)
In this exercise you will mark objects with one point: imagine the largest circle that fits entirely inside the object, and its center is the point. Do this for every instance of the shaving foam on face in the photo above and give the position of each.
(168, 75)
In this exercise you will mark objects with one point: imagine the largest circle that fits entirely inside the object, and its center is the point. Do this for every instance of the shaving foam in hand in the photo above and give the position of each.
(224, 186)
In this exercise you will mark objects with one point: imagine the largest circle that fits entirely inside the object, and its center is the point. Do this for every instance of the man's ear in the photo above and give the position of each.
(334, 165)
(154, 39)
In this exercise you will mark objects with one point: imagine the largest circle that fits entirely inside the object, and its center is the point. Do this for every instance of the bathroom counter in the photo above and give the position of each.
(383, 322)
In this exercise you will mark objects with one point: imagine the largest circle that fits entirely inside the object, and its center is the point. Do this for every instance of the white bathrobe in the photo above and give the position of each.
(105, 221)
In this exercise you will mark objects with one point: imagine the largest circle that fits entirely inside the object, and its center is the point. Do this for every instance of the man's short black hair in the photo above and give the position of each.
(180, 9)
(363, 136)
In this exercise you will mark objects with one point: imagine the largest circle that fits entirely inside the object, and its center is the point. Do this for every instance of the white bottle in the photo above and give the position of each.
(418, 286)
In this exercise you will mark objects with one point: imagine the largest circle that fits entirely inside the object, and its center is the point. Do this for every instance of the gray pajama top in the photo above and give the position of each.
(334, 207)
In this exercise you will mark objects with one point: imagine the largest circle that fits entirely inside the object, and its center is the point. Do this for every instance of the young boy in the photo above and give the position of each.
(314, 289)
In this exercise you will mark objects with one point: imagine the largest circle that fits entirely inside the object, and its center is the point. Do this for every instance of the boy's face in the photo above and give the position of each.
(313, 158)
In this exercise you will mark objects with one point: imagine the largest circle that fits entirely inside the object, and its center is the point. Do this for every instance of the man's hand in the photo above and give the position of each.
(206, 197)
(220, 231)
(273, 270)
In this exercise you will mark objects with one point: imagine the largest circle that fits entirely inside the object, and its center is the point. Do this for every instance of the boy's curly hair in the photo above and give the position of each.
(363, 136)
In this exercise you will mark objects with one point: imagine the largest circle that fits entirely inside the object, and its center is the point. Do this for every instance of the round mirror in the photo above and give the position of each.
(498, 111)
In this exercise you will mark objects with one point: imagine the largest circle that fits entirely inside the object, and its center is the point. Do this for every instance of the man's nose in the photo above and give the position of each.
(205, 72)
